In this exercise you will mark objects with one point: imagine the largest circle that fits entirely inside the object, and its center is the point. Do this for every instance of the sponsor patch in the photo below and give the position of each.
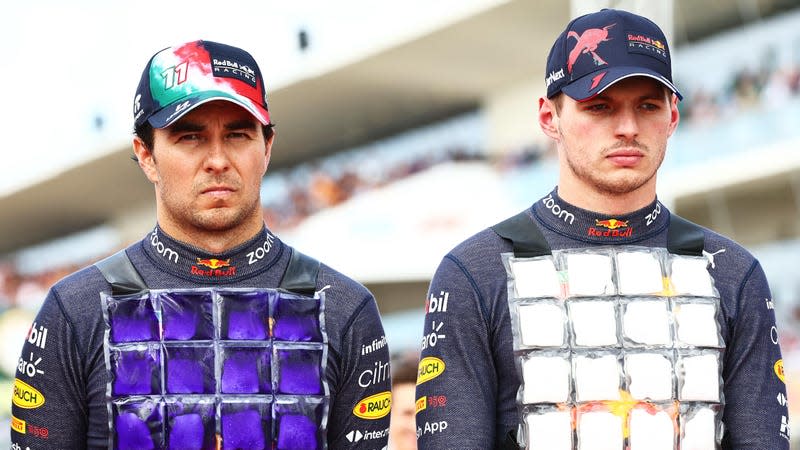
(374, 407)
(378, 374)
(375, 345)
(646, 45)
(18, 425)
(610, 228)
(432, 401)
(437, 304)
(26, 396)
(779, 370)
(228, 67)
(37, 335)
(432, 338)
(40, 432)
(368, 435)
(429, 368)
(431, 428)
(556, 209)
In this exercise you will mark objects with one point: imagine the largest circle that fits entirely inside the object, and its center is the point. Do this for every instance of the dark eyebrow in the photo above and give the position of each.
(184, 126)
(241, 124)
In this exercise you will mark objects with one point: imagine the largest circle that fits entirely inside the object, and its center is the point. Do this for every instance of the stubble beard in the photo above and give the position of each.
(215, 220)
(221, 219)
(618, 185)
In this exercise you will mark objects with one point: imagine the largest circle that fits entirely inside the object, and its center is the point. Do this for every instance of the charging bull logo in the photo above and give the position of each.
(214, 263)
(611, 224)
(587, 43)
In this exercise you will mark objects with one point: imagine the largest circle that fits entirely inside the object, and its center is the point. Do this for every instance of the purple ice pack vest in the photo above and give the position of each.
(616, 347)
(211, 368)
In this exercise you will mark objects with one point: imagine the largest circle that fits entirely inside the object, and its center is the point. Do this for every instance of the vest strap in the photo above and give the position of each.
(121, 275)
(684, 237)
(301, 274)
(525, 236)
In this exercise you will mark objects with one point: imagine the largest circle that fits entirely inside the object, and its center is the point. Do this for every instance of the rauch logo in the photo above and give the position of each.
(374, 406)
(26, 396)
(779, 370)
(429, 368)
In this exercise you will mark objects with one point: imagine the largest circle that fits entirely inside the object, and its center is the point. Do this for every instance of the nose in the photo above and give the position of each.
(627, 125)
(216, 157)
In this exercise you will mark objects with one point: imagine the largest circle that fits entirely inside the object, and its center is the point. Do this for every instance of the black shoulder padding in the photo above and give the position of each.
(524, 234)
(684, 237)
(301, 273)
(120, 273)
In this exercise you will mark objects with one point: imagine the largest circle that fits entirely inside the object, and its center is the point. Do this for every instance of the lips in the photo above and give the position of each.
(625, 158)
(216, 189)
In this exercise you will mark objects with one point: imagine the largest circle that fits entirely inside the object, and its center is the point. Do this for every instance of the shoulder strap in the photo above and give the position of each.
(301, 273)
(120, 273)
(684, 237)
(524, 234)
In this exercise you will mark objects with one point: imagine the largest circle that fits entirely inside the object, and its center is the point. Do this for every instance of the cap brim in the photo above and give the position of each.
(590, 85)
(169, 114)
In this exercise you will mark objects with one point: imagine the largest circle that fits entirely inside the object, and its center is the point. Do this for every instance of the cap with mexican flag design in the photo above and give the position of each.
(180, 78)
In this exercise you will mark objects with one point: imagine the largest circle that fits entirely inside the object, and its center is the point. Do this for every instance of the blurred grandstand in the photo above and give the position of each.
(383, 164)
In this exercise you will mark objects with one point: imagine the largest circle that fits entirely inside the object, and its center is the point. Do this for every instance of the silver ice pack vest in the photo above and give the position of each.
(215, 367)
(616, 347)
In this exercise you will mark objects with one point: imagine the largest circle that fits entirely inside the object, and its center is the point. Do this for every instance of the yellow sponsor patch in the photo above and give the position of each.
(421, 404)
(429, 368)
(374, 406)
(779, 370)
(17, 425)
(26, 396)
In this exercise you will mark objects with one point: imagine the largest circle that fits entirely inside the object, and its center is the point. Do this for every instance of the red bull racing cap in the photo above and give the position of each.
(599, 49)
(179, 79)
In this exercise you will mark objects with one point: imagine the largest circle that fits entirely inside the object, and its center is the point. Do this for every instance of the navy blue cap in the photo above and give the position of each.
(597, 50)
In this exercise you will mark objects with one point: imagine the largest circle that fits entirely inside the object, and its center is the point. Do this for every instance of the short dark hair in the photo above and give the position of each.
(146, 133)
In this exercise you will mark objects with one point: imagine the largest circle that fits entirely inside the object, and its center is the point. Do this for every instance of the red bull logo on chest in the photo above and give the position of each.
(610, 228)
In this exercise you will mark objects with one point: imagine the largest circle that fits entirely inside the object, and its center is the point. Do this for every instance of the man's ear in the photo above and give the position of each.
(146, 159)
(548, 118)
(268, 149)
(675, 115)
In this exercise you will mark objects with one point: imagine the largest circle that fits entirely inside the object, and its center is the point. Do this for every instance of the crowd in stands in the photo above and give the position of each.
(748, 89)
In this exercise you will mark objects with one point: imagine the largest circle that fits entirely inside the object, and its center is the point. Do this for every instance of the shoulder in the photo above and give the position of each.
(730, 264)
(724, 251)
(479, 252)
(73, 289)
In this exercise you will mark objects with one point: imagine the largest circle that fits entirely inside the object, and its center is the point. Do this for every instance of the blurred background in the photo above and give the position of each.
(402, 129)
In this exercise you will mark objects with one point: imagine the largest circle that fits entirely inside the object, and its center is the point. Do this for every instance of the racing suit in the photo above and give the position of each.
(60, 398)
(468, 384)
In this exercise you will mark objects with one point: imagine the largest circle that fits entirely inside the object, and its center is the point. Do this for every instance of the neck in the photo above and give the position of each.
(590, 198)
(212, 241)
